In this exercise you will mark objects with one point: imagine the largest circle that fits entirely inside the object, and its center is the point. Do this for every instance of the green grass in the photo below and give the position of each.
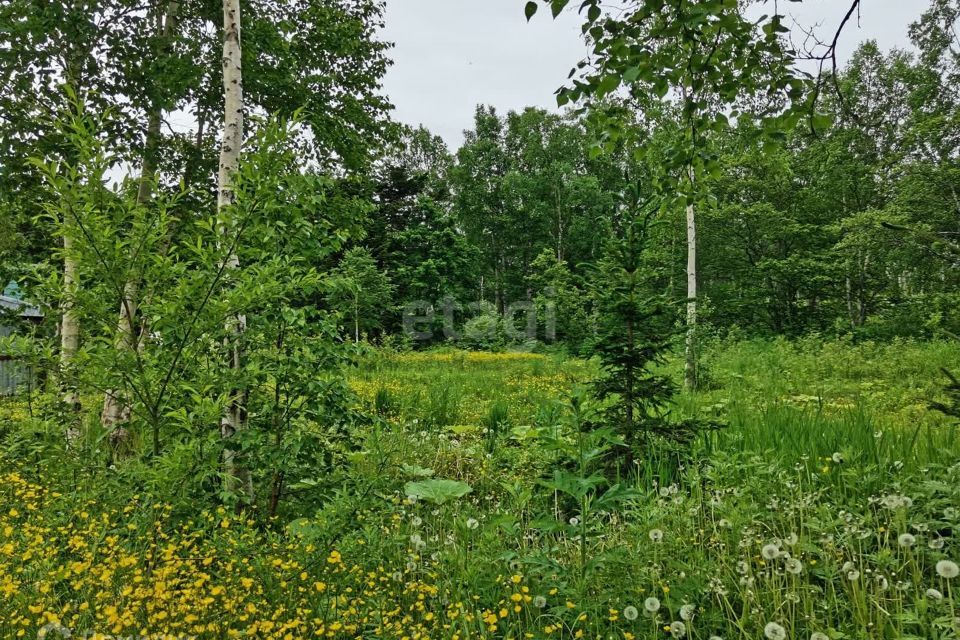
(829, 504)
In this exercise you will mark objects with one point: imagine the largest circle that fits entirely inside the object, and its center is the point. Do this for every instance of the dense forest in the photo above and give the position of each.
(672, 360)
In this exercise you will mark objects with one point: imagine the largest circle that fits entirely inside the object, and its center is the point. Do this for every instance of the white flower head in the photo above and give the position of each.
(540, 602)
(774, 631)
(853, 575)
(416, 521)
(906, 540)
(687, 612)
(948, 569)
(816, 635)
(574, 521)
(935, 543)
(677, 629)
(656, 535)
(652, 605)
(742, 567)
(837, 457)
(792, 539)
(472, 523)
(630, 613)
(933, 594)
(794, 566)
(770, 552)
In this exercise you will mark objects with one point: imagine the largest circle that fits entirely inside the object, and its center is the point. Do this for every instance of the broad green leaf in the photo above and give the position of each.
(437, 491)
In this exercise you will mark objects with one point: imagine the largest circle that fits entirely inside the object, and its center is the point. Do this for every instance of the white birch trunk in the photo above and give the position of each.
(69, 321)
(234, 416)
(690, 359)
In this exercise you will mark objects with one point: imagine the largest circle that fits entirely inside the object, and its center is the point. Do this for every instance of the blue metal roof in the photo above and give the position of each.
(22, 309)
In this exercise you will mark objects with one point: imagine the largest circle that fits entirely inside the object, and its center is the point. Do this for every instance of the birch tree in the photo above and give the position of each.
(234, 417)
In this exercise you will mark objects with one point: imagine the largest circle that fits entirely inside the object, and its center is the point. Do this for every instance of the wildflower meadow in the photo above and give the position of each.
(452, 518)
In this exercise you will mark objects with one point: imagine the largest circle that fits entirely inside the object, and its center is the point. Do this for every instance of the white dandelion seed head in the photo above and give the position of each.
(724, 523)
(656, 535)
(816, 635)
(935, 543)
(652, 605)
(950, 513)
(893, 501)
(742, 567)
(792, 539)
(906, 540)
(853, 575)
(574, 521)
(774, 631)
(770, 551)
(472, 523)
(794, 566)
(540, 602)
(848, 566)
(933, 594)
(630, 613)
(416, 521)
(687, 612)
(678, 629)
(948, 569)
(837, 457)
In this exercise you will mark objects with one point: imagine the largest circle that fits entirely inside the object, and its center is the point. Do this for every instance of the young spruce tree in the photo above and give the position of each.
(634, 331)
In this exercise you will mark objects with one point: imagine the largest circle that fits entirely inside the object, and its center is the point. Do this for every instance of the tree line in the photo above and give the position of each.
(206, 285)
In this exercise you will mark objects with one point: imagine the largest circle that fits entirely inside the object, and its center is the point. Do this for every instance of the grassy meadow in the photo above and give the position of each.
(826, 505)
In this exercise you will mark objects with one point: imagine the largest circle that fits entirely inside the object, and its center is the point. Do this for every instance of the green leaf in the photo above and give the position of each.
(530, 10)
(417, 471)
(822, 121)
(437, 491)
(631, 74)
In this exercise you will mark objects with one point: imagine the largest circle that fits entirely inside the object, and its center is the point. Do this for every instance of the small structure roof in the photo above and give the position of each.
(21, 308)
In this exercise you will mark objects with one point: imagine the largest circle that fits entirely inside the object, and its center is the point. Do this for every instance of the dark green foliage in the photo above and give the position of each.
(634, 330)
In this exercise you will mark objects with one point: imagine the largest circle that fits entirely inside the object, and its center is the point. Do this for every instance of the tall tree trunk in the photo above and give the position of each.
(234, 417)
(69, 321)
(116, 406)
(690, 359)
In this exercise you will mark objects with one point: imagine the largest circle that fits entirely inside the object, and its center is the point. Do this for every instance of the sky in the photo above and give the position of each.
(451, 55)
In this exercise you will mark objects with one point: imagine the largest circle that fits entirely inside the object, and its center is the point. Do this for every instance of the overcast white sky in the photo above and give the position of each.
(451, 55)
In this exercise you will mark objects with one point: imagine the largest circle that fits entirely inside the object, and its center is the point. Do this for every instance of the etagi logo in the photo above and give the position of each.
(420, 317)
(54, 631)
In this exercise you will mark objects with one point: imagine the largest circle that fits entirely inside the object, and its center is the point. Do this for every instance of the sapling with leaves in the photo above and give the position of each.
(361, 291)
(581, 490)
